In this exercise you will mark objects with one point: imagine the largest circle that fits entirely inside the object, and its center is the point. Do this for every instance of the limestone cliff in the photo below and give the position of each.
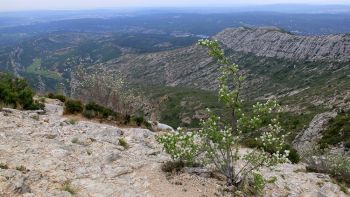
(273, 42)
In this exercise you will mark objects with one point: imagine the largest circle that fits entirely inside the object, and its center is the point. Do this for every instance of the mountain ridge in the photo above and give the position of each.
(314, 85)
(191, 66)
(274, 42)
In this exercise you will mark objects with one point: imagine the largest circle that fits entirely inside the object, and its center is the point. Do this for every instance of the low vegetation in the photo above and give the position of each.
(60, 97)
(122, 142)
(338, 166)
(181, 106)
(16, 93)
(3, 166)
(337, 131)
(67, 186)
(293, 155)
(21, 168)
(35, 68)
(106, 89)
(75, 140)
(73, 106)
(93, 110)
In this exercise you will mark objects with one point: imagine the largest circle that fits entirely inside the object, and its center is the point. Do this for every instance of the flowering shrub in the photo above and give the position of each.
(219, 142)
(181, 146)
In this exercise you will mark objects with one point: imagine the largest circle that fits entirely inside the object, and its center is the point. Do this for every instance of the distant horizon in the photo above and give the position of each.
(174, 7)
(64, 5)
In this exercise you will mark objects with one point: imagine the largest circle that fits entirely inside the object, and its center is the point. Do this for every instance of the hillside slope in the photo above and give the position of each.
(275, 63)
(273, 42)
(304, 82)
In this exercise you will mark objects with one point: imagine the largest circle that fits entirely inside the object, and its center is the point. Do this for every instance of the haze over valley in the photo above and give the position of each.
(106, 82)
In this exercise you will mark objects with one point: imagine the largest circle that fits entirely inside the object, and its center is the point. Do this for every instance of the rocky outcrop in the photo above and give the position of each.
(273, 42)
(49, 155)
(156, 126)
(307, 139)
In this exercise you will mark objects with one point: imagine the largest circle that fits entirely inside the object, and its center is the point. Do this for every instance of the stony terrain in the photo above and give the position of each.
(51, 155)
(54, 151)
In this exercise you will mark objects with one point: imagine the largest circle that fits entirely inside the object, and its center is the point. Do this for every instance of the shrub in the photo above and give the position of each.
(127, 119)
(254, 184)
(75, 140)
(107, 88)
(171, 166)
(42, 100)
(60, 97)
(21, 168)
(3, 166)
(36, 105)
(89, 114)
(99, 111)
(67, 186)
(92, 110)
(337, 131)
(122, 142)
(16, 92)
(139, 120)
(338, 166)
(148, 125)
(293, 155)
(71, 121)
(180, 146)
(93, 107)
(73, 106)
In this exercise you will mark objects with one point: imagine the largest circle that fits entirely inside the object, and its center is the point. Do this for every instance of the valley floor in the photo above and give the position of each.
(50, 155)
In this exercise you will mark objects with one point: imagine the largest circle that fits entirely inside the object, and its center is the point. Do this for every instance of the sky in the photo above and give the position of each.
(14, 5)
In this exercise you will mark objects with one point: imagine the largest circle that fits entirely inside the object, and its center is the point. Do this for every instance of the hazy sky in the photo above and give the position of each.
(8, 5)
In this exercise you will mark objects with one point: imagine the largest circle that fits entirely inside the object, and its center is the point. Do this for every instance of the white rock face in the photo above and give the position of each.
(308, 138)
(272, 42)
(87, 157)
(156, 126)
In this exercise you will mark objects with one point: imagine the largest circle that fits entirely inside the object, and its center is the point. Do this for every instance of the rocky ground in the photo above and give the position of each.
(51, 155)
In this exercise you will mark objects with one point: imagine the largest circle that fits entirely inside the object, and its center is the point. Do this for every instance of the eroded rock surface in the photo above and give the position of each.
(308, 138)
(42, 153)
(273, 42)
(48, 155)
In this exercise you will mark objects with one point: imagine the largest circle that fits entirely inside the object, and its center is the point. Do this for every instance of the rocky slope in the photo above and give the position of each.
(274, 62)
(86, 156)
(191, 66)
(288, 68)
(273, 42)
(307, 140)
(49, 155)
(188, 66)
